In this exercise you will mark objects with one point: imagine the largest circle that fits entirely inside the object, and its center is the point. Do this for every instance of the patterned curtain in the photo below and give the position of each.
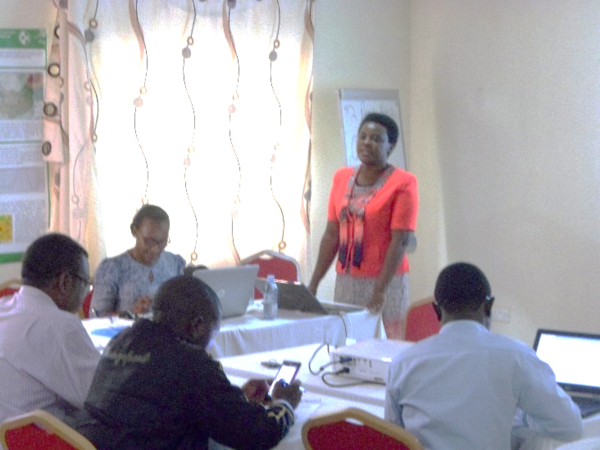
(200, 107)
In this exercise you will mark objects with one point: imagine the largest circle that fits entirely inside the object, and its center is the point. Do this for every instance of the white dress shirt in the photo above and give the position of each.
(461, 390)
(47, 359)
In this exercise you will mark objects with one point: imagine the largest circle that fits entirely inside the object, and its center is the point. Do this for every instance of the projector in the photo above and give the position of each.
(368, 360)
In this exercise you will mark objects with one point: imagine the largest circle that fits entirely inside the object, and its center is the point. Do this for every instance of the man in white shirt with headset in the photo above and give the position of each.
(47, 359)
(463, 388)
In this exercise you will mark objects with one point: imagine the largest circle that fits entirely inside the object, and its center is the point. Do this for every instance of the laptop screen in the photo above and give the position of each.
(233, 285)
(573, 357)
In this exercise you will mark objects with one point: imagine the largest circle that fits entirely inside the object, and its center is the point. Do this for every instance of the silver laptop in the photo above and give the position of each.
(296, 296)
(574, 359)
(233, 285)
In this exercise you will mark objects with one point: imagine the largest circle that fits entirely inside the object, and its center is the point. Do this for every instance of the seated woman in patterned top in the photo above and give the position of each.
(128, 282)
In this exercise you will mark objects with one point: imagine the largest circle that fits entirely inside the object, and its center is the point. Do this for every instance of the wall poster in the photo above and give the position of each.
(355, 104)
(23, 173)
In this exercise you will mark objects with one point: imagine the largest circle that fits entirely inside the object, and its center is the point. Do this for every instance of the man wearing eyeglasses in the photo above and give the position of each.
(47, 360)
(465, 387)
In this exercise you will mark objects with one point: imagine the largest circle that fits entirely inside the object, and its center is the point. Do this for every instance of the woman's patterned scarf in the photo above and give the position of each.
(352, 223)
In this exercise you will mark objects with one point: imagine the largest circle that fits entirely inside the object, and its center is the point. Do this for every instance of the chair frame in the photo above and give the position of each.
(271, 254)
(366, 418)
(48, 422)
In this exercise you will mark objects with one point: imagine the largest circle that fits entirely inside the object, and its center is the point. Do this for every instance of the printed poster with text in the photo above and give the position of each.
(23, 173)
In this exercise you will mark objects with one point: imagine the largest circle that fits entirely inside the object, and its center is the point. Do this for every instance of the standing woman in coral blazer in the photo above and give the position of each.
(372, 212)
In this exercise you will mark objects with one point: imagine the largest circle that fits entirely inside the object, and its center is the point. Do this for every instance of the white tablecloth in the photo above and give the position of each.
(312, 404)
(370, 397)
(251, 334)
(249, 366)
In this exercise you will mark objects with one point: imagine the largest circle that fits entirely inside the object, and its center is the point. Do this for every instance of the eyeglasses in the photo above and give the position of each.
(86, 280)
(151, 242)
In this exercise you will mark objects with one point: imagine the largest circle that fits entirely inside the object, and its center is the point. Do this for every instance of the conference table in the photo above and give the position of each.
(250, 333)
(312, 404)
(334, 386)
(338, 392)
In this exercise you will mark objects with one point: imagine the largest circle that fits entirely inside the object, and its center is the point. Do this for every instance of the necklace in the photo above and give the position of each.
(352, 222)
(150, 273)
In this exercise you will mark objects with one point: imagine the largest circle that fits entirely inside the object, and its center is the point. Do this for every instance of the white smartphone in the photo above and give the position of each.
(287, 372)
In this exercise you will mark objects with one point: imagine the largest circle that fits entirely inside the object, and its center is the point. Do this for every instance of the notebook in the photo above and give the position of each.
(233, 285)
(296, 296)
(574, 359)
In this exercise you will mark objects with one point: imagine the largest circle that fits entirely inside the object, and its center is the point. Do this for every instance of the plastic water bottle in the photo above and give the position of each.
(270, 299)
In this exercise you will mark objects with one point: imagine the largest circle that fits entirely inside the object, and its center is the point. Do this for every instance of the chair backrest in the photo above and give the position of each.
(356, 429)
(421, 321)
(283, 267)
(10, 287)
(39, 430)
(87, 303)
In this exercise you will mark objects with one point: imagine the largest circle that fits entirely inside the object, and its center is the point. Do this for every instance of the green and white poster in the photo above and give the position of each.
(23, 173)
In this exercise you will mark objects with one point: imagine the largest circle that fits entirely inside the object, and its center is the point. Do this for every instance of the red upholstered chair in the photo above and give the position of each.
(353, 428)
(10, 287)
(87, 303)
(283, 267)
(421, 320)
(40, 430)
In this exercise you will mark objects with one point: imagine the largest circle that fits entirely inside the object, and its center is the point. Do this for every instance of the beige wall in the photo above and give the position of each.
(500, 110)
(506, 94)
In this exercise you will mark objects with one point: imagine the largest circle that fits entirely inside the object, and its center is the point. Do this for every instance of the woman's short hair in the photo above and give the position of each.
(48, 256)
(152, 212)
(461, 287)
(385, 121)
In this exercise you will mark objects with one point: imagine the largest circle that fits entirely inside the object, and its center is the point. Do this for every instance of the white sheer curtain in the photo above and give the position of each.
(219, 138)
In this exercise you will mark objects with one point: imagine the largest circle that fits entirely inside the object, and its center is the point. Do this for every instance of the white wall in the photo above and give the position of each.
(500, 116)
(506, 94)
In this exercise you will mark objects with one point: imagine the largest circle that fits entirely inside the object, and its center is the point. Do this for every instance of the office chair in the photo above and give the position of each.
(40, 430)
(421, 320)
(356, 429)
(283, 267)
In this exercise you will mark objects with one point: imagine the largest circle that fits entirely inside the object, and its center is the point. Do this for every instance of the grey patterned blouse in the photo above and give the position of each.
(120, 281)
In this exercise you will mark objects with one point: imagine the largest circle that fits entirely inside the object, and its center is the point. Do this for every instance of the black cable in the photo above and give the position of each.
(313, 357)
(341, 316)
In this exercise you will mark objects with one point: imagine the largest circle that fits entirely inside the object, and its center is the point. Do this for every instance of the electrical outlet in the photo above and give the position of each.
(501, 315)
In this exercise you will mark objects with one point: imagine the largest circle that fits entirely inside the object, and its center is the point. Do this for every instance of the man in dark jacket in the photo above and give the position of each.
(156, 387)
